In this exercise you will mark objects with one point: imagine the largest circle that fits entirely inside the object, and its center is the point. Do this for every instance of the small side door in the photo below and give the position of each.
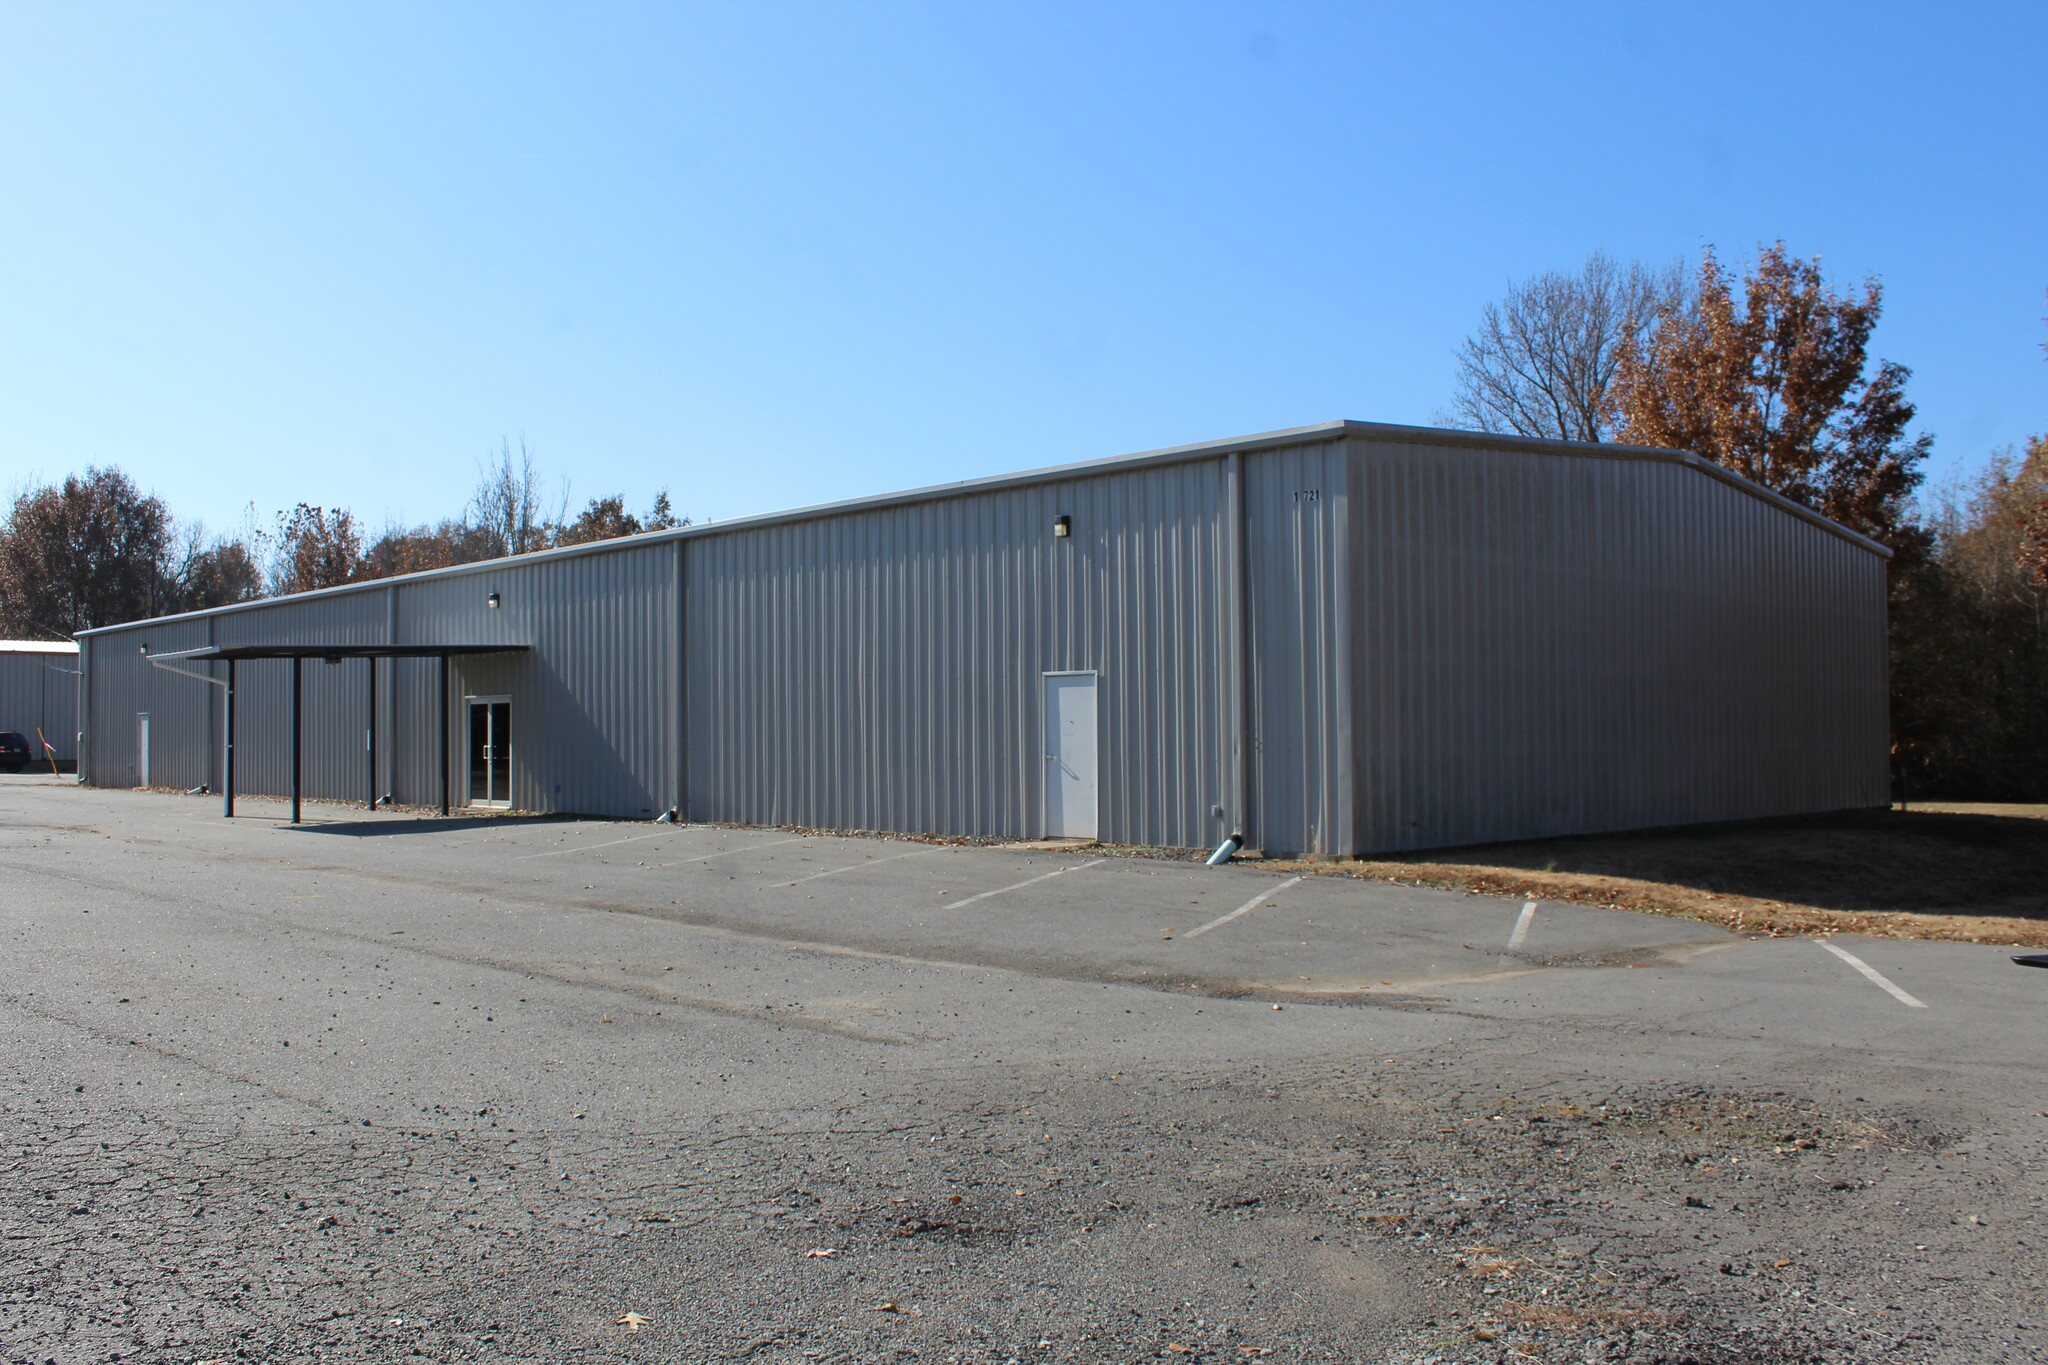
(1068, 727)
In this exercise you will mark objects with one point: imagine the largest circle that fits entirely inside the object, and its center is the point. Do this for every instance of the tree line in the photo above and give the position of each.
(95, 550)
(1771, 375)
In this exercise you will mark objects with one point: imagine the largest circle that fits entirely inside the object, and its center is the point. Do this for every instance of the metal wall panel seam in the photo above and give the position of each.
(87, 750)
(683, 682)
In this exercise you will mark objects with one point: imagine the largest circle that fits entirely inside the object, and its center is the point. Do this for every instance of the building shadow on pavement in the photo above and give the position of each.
(426, 824)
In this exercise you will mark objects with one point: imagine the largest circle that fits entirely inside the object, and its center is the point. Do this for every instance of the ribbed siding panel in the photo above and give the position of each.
(181, 711)
(1551, 643)
(593, 704)
(40, 691)
(336, 696)
(882, 669)
(1298, 541)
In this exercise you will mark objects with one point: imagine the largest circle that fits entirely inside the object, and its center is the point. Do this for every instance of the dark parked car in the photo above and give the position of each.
(14, 751)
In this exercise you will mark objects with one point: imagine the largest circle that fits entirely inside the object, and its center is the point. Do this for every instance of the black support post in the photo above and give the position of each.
(444, 734)
(370, 739)
(298, 730)
(227, 757)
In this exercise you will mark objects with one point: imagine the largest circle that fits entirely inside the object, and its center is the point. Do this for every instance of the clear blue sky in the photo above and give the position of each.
(771, 254)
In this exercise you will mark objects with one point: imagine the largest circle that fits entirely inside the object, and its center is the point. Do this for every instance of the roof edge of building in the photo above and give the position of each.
(1447, 436)
(1305, 435)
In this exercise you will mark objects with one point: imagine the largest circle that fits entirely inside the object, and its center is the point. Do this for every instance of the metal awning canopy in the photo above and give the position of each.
(333, 654)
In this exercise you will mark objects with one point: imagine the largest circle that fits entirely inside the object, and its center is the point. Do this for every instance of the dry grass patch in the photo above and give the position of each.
(1559, 1316)
(1967, 873)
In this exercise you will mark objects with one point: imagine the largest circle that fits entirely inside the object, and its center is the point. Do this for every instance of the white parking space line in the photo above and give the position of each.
(1246, 908)
(1873, 973)
(1028, 881)
(629, 839)
(1522, 922)
(728, 852)
(914, 853)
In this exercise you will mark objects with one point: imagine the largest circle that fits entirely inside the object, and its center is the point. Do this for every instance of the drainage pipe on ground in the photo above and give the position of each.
(1226, 850)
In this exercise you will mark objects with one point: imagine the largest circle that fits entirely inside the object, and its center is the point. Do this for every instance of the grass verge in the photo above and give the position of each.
(1970, 873)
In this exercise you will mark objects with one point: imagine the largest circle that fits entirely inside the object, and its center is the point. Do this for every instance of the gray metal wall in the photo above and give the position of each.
(1301, 590)
(39, 689)
(1551, 643)
(881, 669)
(1425, 641)
(593, 704)
(118, 687)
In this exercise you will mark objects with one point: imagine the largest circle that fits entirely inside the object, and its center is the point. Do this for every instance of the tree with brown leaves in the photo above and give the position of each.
(2032, 481)
(87, 552)
(216, 574)
(316, 548)
(447, 543)
(608, 519)
(1778, 388)
(1969, 627)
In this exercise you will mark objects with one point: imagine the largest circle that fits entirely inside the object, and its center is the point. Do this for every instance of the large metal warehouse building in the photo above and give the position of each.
(1336, 639)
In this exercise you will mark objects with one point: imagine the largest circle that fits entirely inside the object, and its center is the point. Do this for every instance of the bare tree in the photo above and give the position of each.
(509, 504)
(1543, 357)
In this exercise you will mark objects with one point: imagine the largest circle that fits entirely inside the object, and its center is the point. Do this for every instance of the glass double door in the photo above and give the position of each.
(490, 751)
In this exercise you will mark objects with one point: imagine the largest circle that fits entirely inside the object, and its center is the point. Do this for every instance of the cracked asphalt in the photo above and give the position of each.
(382, 1089)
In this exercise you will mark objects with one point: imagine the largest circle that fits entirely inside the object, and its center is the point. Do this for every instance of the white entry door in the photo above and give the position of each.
(1070, 753)
(142, 748)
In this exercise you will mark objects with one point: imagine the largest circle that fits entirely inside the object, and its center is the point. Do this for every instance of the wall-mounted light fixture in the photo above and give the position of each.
(493, 601)
(1062, 527)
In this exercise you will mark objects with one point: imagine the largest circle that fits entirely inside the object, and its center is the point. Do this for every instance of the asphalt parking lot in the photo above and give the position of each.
(505, 1089)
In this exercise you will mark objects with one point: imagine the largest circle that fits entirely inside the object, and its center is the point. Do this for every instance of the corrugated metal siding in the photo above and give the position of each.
(336, 704)
(593, 704)
(40, 691)
(1298, 538)
(882, 669)
(1553, 643)
(181, 710)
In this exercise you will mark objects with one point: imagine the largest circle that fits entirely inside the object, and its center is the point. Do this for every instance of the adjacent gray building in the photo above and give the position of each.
(39, 696)
(1337, 639)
